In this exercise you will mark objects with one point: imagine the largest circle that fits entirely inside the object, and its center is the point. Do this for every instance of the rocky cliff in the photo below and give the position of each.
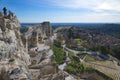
(27, 56)
(13, 56)
(38, 34)
(38, 40)
(33, 54)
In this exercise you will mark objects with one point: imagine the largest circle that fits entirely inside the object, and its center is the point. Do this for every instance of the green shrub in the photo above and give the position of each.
(59, 55)
(58, 42)
(71, 54)
(79, 41)
(75, 68)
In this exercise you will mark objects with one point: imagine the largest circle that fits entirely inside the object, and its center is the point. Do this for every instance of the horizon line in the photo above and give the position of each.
(68, 22)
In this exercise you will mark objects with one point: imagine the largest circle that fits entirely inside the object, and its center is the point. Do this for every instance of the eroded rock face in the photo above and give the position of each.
(13, 57)
(49, 72)
(39, 34)
(39, 39)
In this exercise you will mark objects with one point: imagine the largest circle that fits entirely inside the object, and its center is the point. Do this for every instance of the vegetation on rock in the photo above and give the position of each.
(59, 54)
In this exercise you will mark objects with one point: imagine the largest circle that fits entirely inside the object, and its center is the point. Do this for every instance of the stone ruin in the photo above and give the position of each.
(38, 34)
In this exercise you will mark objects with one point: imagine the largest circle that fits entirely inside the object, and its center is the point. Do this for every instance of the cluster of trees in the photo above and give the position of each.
(111, 29)
(102, 49)
(114, 51)
(76, 67)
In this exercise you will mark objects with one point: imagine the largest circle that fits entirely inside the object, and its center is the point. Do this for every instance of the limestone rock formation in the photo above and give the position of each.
(38, 34)
(31, 60)
(13, 56)
(39, 39)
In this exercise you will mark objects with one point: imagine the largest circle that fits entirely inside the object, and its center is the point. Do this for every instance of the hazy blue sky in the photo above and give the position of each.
(64, 10)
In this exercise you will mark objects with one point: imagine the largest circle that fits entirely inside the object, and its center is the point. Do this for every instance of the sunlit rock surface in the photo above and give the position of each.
(13, 57)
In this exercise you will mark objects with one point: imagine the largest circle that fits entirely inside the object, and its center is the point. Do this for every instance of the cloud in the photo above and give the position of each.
(75, 4)
(95, 5)
(110, 6)
(99, 6)
(100, 10)
(89, 18)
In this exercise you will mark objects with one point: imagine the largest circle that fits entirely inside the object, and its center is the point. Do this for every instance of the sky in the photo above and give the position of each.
(82, 11)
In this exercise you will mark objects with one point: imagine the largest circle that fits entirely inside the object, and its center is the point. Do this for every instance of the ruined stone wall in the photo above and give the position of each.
(47, 27)
(39, 34)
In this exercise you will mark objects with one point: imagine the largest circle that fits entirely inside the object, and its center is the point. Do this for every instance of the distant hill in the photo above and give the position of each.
(111, 29)
(93, 39)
